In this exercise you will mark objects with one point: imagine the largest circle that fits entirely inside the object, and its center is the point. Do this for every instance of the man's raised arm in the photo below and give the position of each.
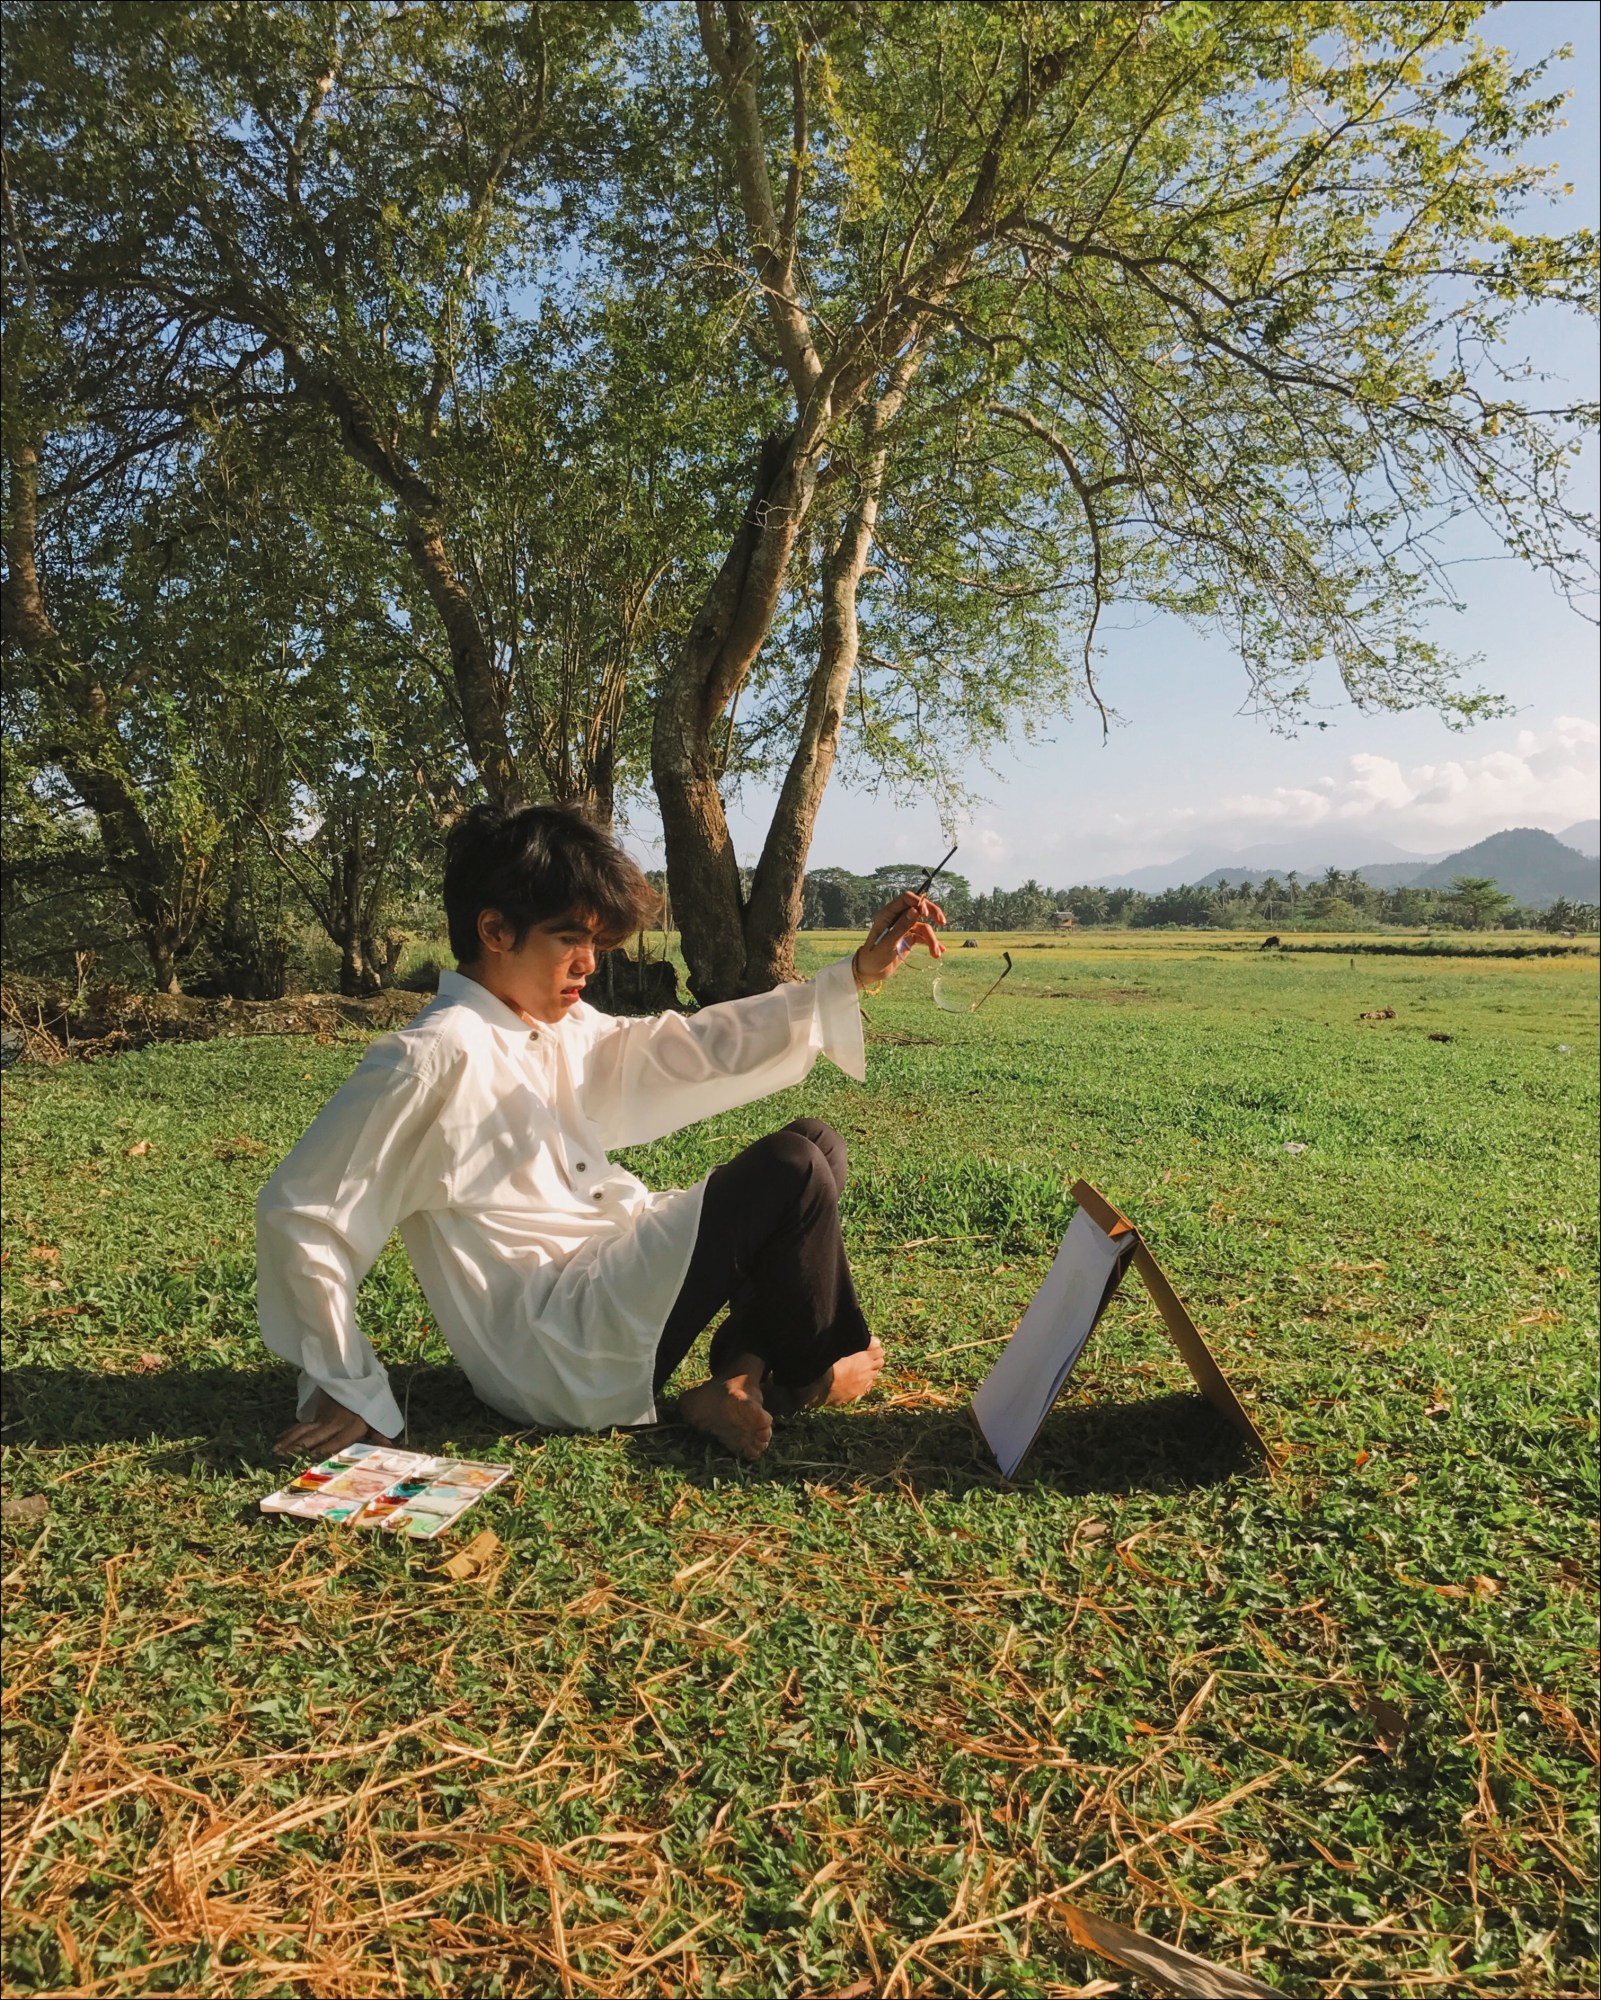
(641, 1079)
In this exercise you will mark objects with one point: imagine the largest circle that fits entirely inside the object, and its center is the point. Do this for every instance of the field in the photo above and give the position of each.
(860, 1719)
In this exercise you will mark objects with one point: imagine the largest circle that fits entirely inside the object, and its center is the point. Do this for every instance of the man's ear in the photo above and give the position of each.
(494, 935)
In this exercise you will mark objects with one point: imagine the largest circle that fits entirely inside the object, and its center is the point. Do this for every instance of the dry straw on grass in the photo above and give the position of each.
(419, 1857)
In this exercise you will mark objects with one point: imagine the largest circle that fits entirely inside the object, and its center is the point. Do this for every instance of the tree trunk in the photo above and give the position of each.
(717, 654)
(250, 960)
(730, 951)
(382, 956)
(731, 948)
(85, 744)
(370, 443)
(357, 977)
(347, 905)
(778, 892)
(136, 863)
(477, 689)
(599, 795)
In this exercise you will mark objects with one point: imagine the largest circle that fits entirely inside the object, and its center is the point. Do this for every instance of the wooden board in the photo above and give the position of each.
(1209, 1378)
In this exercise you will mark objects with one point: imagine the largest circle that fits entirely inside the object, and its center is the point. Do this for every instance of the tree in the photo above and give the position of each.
(1477, 901)
(589, 452)
(1409, 906)
(85, 575)
(837, 900)
(1565, 915)
(946, 327)
(340, 193)
(1275, 217)
(951, 891)
(59, 905)
(1185, 906)
(360, 795)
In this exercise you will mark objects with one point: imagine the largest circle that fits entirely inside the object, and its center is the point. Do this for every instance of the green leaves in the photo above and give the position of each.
(1204, 307)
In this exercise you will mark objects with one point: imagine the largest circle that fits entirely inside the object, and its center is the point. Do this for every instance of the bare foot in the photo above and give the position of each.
(851, 1376)
(730, 1409)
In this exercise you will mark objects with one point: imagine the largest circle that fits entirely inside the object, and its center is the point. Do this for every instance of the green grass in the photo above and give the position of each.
(822, 1724)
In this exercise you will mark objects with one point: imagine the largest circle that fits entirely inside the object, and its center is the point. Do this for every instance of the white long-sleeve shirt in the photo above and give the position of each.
(550, 1271)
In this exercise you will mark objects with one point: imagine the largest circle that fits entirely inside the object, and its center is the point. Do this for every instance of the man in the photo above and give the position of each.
(567, 1290)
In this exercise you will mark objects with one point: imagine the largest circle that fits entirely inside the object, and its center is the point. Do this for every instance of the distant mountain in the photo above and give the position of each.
(1532, 866)
(1307, 854)
(1584, 834)
(1234, 876)
(1380, 874)
(1395, 874)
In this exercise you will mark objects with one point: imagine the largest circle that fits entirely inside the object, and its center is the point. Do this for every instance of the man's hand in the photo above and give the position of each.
(900, 925)
(328, 1429)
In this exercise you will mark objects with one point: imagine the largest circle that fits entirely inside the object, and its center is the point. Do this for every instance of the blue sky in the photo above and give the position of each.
(1188, 770)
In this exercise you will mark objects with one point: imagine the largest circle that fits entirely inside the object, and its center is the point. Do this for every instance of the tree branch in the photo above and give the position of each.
(1058, 447)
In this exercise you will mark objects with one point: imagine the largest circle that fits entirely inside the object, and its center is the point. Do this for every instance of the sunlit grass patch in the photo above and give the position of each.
(791, 1728)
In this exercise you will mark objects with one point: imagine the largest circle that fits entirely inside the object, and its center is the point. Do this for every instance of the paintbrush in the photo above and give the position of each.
(922, 889)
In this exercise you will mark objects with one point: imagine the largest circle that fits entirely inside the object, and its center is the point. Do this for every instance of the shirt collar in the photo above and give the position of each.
(461, 991)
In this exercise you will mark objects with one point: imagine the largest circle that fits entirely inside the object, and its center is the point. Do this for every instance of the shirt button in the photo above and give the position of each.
(581, 1165)
(597, 1194)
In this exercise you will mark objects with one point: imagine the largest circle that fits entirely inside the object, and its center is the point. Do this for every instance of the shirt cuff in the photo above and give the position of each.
(839, 1018)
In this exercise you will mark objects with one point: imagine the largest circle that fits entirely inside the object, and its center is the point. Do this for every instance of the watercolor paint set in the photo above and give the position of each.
(399, 1492)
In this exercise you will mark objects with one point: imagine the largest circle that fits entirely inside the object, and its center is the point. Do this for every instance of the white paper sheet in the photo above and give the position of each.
(1013, 1399)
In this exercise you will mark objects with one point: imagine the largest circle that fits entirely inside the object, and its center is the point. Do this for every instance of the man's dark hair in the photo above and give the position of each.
(536, 864)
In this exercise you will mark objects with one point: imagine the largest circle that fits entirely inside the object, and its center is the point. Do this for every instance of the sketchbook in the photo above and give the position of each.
(1012, 1402)
(399, 1492)
(1015, 1397)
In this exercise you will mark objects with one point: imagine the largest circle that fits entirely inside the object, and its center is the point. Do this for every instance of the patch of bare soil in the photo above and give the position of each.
(45, 1023)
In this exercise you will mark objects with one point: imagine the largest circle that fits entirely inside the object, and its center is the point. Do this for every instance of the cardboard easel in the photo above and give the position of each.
(1186, 1336)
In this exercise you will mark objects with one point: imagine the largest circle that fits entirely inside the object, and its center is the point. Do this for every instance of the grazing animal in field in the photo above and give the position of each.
(1439, 1037)
(1270, 944)
(1378, 1014)
(1569, 931)
(970, 944)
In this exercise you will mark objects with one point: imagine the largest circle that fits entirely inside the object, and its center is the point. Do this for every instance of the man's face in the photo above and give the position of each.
(543, 977)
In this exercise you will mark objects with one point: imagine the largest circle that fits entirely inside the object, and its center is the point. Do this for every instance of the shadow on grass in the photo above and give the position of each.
(222, 1416)
(1161, 1444)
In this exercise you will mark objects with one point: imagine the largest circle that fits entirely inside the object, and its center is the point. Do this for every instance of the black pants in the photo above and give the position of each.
(769, 1248)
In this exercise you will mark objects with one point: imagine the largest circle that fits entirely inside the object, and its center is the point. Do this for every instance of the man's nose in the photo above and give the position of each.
(586, 960)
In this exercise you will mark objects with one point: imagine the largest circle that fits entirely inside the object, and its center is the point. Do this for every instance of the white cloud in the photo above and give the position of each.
(980, 841)
(1548, 779)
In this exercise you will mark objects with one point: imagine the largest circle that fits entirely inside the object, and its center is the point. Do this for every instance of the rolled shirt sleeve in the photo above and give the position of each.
(642, 1079)
(367, 1160)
